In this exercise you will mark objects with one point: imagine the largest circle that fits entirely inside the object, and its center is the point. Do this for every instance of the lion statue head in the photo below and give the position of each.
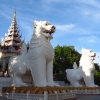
(43, 29)
(87, 57)
(43, 32)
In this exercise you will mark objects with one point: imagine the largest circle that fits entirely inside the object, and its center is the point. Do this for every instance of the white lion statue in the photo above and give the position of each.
(38, 61)
(85, 70)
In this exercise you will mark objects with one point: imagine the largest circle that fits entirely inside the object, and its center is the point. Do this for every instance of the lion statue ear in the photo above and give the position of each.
(35, 24)
(82, 48)
(83, 51)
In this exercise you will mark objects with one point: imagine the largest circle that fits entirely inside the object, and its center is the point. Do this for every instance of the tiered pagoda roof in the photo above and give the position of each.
(12, 41)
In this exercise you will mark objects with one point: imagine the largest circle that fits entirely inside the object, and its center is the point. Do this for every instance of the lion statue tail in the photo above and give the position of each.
(75, 65)
(23, 48)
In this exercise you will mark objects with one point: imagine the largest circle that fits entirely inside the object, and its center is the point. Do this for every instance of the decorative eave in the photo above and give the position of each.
(3, 54)
(2, 42)
(12, 43)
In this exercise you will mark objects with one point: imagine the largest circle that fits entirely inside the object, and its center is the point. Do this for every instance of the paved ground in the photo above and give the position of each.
(1, 98)
(88, 97)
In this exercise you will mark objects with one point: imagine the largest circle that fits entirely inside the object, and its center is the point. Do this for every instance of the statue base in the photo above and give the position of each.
(48, 93)
(51, 90)
(38, 93)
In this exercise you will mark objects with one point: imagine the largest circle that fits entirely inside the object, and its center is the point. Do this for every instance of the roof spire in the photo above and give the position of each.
(15, 14)
(12, 41)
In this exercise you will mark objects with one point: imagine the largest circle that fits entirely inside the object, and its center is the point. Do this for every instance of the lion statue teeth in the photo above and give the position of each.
(85, 70)
(37, 63)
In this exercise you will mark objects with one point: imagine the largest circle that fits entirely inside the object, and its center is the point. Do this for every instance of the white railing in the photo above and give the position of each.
(85, 91)
(45, 96)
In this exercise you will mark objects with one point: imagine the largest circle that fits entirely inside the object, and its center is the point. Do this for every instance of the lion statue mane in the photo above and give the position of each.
(35, 67)
(85, 71)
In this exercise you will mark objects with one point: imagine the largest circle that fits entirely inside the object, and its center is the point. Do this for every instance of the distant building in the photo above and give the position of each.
(12, 41)
(10, 45)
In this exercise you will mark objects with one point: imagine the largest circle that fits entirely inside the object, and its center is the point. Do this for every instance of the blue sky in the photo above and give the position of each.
(77, 21)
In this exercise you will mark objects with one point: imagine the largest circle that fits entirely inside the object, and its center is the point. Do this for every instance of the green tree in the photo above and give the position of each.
(97, 74)
(64, 58)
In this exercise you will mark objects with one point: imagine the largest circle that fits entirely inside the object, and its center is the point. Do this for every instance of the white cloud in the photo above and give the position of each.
(74, 30)
(56, 1)
(27, 29)
(5, 15)
(86, 12)
(89, 2)
(66, 27)
(91, 39)
(93, 15)
(63, 29)
(89, 9)
(31, 2)
(6, 11)
(80, 31)
(97, 16)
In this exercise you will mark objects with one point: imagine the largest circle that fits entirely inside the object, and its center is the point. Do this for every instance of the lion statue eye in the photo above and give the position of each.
(46, 24)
